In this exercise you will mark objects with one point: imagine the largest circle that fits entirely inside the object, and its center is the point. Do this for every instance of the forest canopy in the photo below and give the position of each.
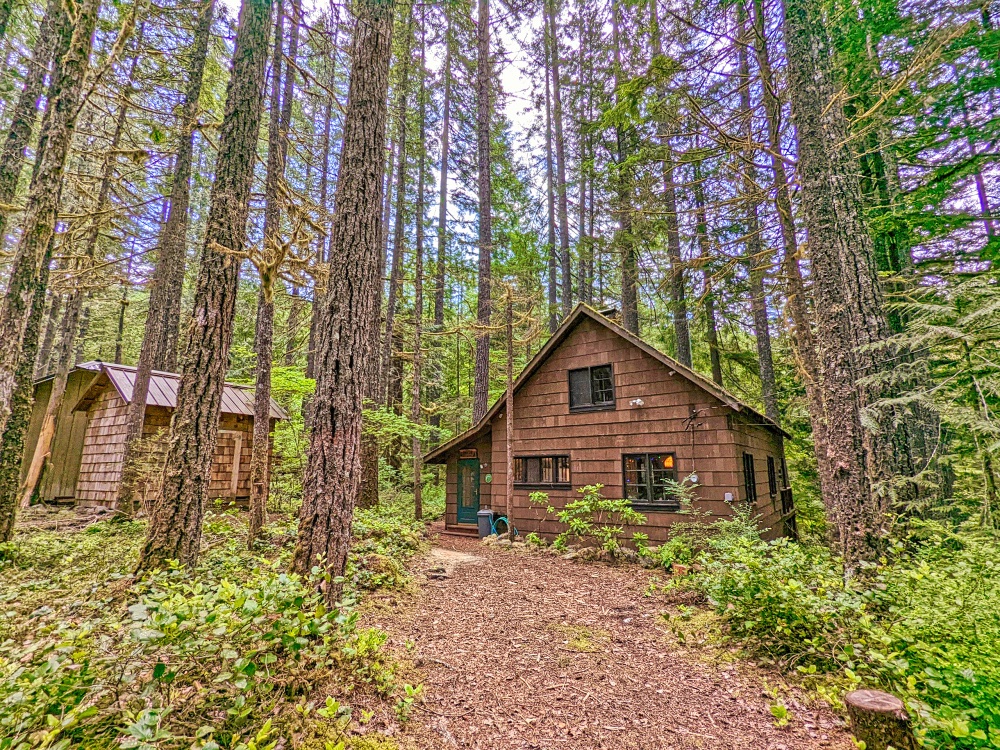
(374, 214)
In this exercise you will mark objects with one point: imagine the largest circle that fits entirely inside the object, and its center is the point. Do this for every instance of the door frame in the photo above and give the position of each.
(468, 464)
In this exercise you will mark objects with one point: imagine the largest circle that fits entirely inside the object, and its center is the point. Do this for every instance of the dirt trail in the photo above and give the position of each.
(527, 650)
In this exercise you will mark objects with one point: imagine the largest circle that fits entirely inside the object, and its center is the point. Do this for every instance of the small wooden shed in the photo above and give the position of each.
(85, 457)
(598, 405)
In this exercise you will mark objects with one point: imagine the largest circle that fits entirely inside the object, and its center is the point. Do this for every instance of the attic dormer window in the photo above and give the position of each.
(591, 388)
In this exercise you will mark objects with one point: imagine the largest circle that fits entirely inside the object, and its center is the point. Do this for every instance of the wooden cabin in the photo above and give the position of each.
(88, 446)
(598, 404)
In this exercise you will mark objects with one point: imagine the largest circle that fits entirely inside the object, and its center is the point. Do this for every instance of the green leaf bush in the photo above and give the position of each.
(198, 659)
(592, 517)
(923, 623)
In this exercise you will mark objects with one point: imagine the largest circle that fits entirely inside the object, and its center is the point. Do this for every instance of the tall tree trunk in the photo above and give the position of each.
(509, 416)
(442, 227)
(557, 119)
(322, 250)
(623, 240)
(54, 27)
(287, 100)
(757, 264)
(122, 309)
(434, 386)
(51, 318)
(175, 523)
(705, 252)
(270, 264)
(584, 243)
(391, 362)
(44, 195)
(76, 318)
(12, 441)
(159, 340)
(418, 284)
(851, 321)
(678, 300)
(346, 353)
(484, 306)
(550, 192)
(795, 297)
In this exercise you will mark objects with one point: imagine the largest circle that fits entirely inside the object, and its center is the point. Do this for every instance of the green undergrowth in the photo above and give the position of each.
(237, 654)
(923, 623)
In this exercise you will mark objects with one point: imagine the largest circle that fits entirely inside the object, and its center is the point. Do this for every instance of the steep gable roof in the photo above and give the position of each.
(583, 312)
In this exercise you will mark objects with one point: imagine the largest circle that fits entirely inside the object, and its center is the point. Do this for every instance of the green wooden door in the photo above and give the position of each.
(468, 490)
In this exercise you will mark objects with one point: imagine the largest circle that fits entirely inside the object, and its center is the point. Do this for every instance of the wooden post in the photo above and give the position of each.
(510, 415)
(880, 720)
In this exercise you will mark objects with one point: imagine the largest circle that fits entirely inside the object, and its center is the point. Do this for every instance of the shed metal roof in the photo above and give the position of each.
(236, 399)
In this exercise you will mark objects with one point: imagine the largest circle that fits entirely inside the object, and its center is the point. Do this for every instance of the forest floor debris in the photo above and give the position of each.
(528, 650)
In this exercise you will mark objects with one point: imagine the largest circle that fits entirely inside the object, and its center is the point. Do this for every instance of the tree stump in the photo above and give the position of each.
(880, 720)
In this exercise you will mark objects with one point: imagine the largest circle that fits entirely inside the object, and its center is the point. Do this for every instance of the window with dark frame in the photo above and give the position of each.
(784, 473)
(649, 478)
(592, 388)
(541, 471)
(772, 477)
(749, 478)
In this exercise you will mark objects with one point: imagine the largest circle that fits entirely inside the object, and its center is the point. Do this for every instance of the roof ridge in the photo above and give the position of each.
(582, 309)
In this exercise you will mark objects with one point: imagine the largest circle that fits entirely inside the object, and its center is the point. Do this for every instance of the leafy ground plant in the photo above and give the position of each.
(215, 658)
(923, 623)
(592, 518)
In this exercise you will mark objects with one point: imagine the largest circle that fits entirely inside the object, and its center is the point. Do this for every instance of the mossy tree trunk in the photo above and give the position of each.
(175, 522)
(346, 360)
(38, 226)
(159, 341)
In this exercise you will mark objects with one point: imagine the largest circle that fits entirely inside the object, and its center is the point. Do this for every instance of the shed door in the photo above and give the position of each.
(468, 490)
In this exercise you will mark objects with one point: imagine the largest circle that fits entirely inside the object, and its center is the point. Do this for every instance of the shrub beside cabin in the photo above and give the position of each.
(599, 405)
(85, 457)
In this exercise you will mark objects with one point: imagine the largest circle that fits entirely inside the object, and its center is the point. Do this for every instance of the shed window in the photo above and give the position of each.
(592, 388)
(547, 471)
(749, 478)
(649, 478)
(772, 477)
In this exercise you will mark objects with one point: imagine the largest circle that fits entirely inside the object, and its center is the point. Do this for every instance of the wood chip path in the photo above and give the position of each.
(522, 649)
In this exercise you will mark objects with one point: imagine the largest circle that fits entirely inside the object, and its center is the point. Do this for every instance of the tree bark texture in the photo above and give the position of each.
(175, 523)
(54, 27)
(705, 252)
(346, 356)
(850, 319)
(51, 318)
(392, 364)
(484, 306)
(12, 441)
(756, 260)
(796, 304)
(623, 240)
(38, 226)
(879, 720)
(442, 227)
(418, 283)
(270, 264)
(159, 340)
(678, 301)
(74, 320)
(509, 416)
(550, 194)
(434, 386)
(560, 143)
